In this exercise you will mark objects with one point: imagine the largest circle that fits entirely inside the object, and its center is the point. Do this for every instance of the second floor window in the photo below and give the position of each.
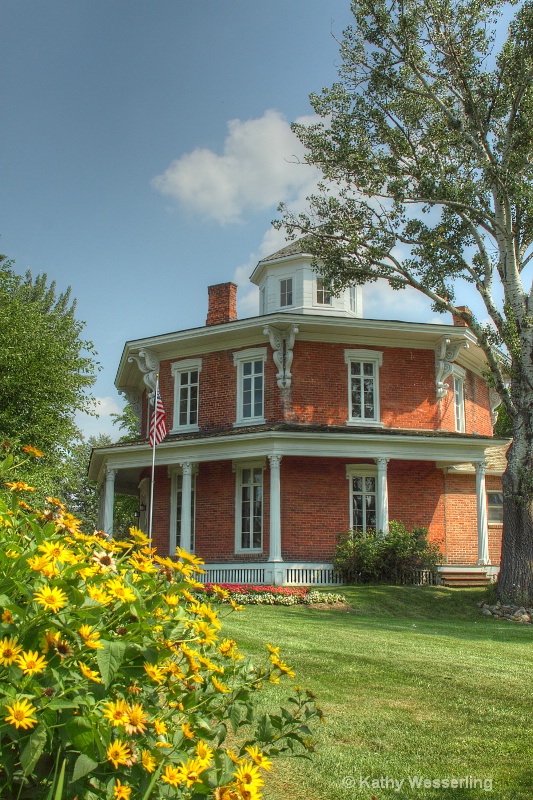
(250, 384)
(459, 402)
(363, 385)
(186, 393)
(285, 291)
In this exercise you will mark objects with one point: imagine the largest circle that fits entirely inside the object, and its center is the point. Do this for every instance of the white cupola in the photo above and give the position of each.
(287, 282)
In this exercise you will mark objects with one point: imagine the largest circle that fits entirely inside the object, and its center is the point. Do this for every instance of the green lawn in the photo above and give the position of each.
(414, 681)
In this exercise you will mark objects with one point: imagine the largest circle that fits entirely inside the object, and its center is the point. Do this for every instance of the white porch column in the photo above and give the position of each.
(275, 508)
(482, 525)
(109, 500)
(382, 496)
(186, 493)
(101, 501)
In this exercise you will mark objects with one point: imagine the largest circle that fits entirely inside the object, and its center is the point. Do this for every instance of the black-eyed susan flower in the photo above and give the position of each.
(20, 714)
(7, 616)
(52, 598)
(28, 448)
(220, 687)
(191, 771)
(247, 776)
(187, 730)
(136, 719)
(9, 650)
(116, 712)
(31, 663)
(90, 637)
(172, 775)
(206, 634)
(258, 758)
(204, 752)
(104, 561)
(121, 791)
(118, 753)
(19, 486)
(117, 588)
(160, 727)
(89, 673)
(148, 761)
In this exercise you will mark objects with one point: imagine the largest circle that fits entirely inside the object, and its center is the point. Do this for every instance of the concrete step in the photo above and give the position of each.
(464, 578)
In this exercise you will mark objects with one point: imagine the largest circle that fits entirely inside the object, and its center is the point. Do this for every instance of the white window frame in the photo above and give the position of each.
(494, 521)
(374, 357)
(178, 368)
(175, 528)
(459, 405)
(240, 358)
(239, 467)
(288, 291)
(362, 471)
(353, 298)
(320, 288)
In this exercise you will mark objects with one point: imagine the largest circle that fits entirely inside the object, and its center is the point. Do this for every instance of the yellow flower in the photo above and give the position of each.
(118, 753)
(117, 588)
(89, 673)
(171, 599)
(20, 714)
(136, 717)
(154, 672)
(116, 712)
(187, 730)
(160, 727)
(138, 536)
(98, 594)
(19, 486)
(204, 752)
(7, 617)
(248, 777)
(148, 761)
(258, 758)
(31, 663)
(190, 772)
(220, 687)
(121, 791)
(55, 550)
(273, 650)
(172, 775)
(54, 501)
(28, 448)
(43, 565)
(90, 637)
(282, 666)
(188, 557)
(142, 564)
(104, 561)
(51, 598)
(9, 650)
(69, 522)
(206, 634)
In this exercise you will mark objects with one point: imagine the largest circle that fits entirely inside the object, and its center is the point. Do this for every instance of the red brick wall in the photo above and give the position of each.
(319, 391)
(315, 509)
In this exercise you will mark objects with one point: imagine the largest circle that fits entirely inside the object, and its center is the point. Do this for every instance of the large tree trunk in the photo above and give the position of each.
(515, 582)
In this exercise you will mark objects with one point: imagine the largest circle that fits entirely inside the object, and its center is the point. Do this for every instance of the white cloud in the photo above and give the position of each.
(408, 305)
(93, 426)
(257, 169)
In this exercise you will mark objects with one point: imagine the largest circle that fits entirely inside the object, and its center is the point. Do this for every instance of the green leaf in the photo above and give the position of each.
(80, 731)
(109, 660)
(33, 750)
(59, 791)
(265, 731)
(152, 783)
(83, 766)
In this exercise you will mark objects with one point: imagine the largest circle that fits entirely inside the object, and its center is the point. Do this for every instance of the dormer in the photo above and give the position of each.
(288, 282)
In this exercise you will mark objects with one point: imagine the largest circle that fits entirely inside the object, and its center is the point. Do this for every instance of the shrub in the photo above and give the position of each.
(115, 680)
(369, 557)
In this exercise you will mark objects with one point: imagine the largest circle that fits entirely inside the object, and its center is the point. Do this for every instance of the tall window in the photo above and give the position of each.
(179, 501)
(323, 295)
(495, 504)
(186, 387)
(363, 385)
(459, 400)
(250, 384)
(249, 508)
(353, 299)
(285, 292)
(363, 491)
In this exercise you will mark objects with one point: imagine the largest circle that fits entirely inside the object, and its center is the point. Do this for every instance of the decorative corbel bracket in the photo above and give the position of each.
(282, 343)
(134, 400)
(446, 352)
(494, 401)
(148, 363)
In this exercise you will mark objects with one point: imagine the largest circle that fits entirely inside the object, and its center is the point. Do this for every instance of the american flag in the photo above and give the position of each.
(158, 425)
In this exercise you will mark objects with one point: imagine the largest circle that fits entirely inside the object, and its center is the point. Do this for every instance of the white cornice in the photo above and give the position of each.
(343, 330)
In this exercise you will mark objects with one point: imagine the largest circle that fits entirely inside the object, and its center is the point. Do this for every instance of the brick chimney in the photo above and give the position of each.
(459, 320)
(222, 305)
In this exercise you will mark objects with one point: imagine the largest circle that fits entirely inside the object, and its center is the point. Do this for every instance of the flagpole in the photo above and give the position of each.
(153, 459)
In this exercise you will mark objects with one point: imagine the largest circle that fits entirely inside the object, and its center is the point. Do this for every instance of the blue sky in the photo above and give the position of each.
(145, 146)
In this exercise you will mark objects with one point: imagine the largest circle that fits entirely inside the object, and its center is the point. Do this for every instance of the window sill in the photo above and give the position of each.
(364, 423)
(252, 421)
(185, 429)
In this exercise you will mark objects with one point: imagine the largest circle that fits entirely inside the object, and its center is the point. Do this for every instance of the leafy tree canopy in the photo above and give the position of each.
(426, 150)
(46, 368)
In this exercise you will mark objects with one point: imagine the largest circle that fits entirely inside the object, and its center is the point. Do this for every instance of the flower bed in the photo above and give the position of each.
(249, 594)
